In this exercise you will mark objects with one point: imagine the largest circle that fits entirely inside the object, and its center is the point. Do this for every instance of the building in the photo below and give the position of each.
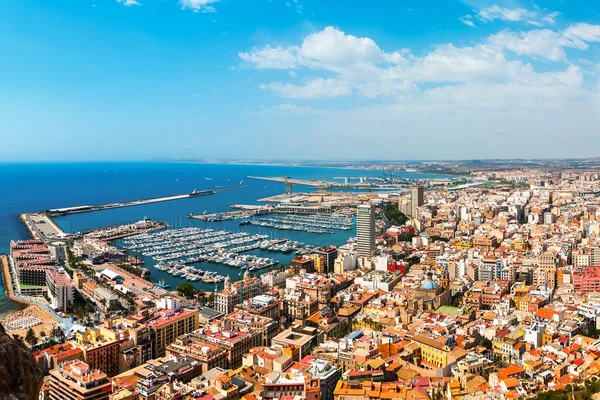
(60, 289)
(99, 351)
(237, 292)
(416, 200)
(169, 325)
(302, 337)
(326, 264)
(75, 380)
(366, 230)
(209, 356)
(235, 343)
(262, 329)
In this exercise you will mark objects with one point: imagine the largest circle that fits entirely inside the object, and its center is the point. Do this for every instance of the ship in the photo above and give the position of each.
(163, 285)
(201, 193)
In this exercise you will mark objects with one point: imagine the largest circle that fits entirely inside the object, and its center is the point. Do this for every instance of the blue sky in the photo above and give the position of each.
(136, 79)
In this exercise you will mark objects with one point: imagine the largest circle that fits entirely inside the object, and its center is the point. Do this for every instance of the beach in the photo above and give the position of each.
(30, 310)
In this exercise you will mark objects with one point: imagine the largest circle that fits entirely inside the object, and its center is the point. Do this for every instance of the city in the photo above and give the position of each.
(470, 293)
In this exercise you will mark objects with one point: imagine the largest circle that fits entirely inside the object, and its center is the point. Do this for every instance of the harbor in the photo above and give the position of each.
(178, 252)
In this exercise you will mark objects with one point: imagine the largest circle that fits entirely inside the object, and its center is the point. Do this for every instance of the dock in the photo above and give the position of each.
(322, 184)
(81, 209)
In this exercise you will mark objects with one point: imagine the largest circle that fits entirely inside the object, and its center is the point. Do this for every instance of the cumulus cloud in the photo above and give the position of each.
(584, 32)
(358, 66)
(505, 85)
(329, 48)
(203, 6)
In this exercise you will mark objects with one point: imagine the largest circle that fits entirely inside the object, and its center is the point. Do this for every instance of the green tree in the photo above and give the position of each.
(187, 289)
(394, 215)
(58, 334)
(485, 342)
(31, 338)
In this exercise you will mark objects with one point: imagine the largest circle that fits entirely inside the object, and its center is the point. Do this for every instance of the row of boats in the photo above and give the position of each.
(189, 273)
(323, 224)
(176, 248)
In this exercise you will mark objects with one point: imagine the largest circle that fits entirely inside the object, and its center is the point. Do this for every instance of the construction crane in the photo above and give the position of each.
(288, 186)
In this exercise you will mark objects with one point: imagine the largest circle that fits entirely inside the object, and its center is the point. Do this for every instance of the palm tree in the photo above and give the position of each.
(58, 334)
(31, 338)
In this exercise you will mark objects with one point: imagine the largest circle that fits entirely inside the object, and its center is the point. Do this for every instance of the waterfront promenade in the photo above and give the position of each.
(32, 307)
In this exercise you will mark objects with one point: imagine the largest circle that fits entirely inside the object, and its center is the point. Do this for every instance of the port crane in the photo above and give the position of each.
(288, 186)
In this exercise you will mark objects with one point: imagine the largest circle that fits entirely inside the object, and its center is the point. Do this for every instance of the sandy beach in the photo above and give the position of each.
(31, 310)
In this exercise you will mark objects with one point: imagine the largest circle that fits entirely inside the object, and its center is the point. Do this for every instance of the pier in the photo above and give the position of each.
(364, 185)
(81, 209)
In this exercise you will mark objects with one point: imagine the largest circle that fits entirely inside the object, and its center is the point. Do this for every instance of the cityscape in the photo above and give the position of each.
(300, 200)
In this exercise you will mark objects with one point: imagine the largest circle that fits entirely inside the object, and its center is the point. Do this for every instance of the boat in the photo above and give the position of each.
(163, 285)
(201, 193)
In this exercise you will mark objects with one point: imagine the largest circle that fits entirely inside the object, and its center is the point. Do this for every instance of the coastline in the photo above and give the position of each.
(25, 309)
(8, 288)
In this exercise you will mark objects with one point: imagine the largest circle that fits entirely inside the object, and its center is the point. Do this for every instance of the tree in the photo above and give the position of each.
(211, 297)
(394, 215)
(31, 338)
(187, 289)
(485, 342)
(58, 334)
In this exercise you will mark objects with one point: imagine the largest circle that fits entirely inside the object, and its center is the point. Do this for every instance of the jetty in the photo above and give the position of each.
(100, 207)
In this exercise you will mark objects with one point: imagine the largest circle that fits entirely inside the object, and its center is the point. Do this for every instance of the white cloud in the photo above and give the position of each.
(488, 90)
(467, 20)
(584, 32)
(272, 57)
(551, 18)
(203, 6)
(128, 3)
(329, 48)
(543, 43)
(359, 66)
(315, 88)
(507, 14)
(287, 109)
(332, 46)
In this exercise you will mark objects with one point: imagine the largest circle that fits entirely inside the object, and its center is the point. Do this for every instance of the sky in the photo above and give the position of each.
(299, 79)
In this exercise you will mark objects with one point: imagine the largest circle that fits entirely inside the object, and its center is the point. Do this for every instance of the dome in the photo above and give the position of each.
(430, 285)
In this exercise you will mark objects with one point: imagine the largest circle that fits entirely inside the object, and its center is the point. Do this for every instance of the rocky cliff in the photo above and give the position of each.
(20, 378)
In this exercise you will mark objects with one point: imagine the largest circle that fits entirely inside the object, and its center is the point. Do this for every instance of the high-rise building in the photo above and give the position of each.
(416, 200)
(595, 256)
(77, 381)
(365, 229)
(169, 325)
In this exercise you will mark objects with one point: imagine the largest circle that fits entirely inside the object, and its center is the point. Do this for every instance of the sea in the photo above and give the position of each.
(27, 187)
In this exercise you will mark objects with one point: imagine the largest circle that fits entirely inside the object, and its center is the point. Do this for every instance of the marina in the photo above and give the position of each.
(319, 224)
(176, 249)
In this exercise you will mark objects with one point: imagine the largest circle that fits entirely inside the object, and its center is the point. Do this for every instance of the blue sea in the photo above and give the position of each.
(40, 186)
